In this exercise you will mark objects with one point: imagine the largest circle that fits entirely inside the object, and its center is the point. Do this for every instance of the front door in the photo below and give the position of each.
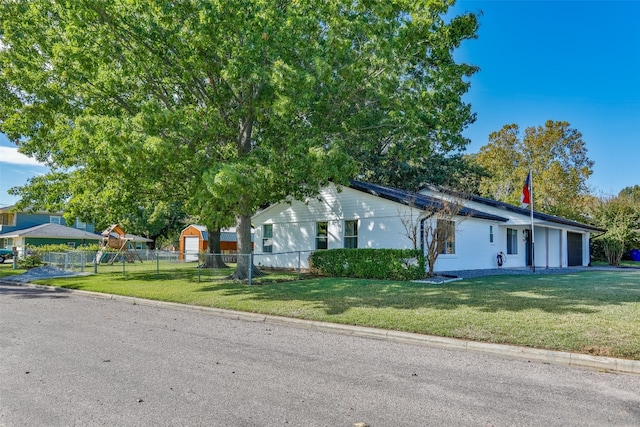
(527, 247)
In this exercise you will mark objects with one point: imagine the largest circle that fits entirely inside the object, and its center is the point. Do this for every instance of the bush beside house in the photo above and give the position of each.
(390, 264)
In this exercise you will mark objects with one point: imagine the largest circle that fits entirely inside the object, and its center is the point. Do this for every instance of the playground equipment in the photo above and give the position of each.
(115, 237)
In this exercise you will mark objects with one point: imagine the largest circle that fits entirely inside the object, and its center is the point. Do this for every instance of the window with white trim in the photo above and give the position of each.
(55, 219)
(8, 218)
(512, 241)
(446, 233)
(322, 235)
(351, 234)
(267, 238)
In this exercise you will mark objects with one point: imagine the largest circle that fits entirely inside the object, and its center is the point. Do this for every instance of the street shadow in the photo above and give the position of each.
(21, 292)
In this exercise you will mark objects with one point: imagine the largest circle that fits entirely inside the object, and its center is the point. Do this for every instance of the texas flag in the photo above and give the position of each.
(525, 199)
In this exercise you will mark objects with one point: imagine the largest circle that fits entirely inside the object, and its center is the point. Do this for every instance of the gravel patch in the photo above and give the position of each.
(46, 272)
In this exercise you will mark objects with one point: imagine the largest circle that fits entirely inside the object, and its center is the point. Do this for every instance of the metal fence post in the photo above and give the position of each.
(250, 268)
(299, 265)
(157, 262)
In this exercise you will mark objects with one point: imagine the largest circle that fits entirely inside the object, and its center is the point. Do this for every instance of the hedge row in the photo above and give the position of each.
(94, 247)
(390, 264)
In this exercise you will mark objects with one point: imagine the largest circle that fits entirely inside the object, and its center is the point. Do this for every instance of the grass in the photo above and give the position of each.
(6, 269)
(623, 263)
(595, 312)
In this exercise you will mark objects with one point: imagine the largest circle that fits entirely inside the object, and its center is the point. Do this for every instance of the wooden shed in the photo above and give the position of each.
(195, 239)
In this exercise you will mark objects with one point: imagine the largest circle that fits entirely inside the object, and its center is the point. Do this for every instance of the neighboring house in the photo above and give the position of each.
(366, 215)
(12, 220)
(195, 239)
(49, 234)
(139, 242)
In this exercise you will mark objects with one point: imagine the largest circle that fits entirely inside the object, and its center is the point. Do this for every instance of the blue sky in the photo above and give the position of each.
(574, 61)
(15, 170)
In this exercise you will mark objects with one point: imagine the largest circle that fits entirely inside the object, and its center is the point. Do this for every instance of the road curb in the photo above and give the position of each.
(515, 352)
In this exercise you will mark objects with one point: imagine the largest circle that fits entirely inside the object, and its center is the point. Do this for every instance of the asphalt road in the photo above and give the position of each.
(74, 360)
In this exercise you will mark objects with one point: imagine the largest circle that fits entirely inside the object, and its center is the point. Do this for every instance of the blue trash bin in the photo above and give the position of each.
(635, 255)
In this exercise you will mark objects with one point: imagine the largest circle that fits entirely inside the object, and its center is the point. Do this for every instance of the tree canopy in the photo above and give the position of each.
(557, 157)
(620, 215)
(223, 107)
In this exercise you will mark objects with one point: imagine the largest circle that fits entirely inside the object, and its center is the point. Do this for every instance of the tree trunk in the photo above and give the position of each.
(243, 227)
(244, 268)
(214, 254)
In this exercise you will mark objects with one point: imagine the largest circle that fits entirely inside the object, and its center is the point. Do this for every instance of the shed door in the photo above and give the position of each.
(191, 248)
(574, 249)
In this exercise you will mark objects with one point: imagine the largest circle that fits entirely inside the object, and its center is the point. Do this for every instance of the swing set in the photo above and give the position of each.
(115, 237)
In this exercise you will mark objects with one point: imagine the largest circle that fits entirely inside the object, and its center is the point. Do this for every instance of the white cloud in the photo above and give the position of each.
(11, 155)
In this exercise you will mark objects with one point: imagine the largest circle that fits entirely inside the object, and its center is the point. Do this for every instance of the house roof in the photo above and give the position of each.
(537, 215)
(135, 238)
(51, 231)
(418, 200)
(117, 232)
(129, 237)
(203, 231)
(423, 201)
(525, 211)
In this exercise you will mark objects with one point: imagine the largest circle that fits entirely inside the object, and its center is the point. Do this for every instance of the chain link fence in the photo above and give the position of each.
(174, 264)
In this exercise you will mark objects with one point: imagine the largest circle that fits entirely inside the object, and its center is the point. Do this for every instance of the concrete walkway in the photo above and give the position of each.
(520, 271)
(521, 353)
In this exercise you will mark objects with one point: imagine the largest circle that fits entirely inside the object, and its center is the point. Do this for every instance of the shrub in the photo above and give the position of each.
(389, 264)
(613, 249)
(29, 261)
(63, 248)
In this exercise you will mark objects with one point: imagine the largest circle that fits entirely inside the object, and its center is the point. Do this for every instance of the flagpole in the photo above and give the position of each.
(533, 250)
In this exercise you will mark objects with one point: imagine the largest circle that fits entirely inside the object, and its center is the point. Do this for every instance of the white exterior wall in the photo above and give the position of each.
(554, 249)
(294, 226)
(380, 226)
(473, 247)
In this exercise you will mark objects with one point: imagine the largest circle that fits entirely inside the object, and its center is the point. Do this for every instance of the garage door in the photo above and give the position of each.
(574, 249)
(191, 248)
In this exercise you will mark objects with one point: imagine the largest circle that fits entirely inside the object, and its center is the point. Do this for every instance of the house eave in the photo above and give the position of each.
(420, 201)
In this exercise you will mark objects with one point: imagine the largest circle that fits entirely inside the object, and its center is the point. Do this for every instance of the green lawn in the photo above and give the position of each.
(624, 263)
(595, 312)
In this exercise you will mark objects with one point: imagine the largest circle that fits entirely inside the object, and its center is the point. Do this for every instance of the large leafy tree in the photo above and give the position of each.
(620, 216)
(225, 106)
(633, 193)
(557, 156)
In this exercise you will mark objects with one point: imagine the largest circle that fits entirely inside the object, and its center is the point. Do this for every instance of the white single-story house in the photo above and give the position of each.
(364, 215)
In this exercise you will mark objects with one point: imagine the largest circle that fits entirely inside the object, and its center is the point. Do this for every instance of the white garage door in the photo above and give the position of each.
(191, 249)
